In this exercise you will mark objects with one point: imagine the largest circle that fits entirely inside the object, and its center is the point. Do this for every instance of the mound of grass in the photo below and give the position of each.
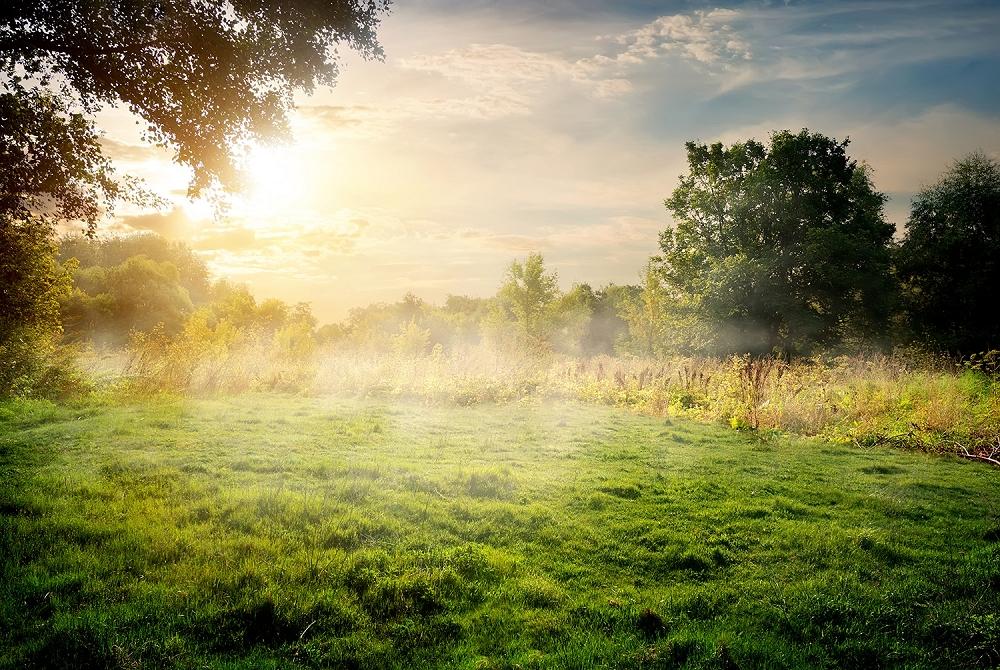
(268, 531)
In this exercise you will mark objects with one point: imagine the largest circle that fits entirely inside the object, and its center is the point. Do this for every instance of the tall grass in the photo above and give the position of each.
(913, 402)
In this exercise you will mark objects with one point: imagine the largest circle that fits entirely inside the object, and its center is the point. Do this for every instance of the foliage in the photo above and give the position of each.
(231, 345)
(32, 283)
(109, 251)
(412, 340)
(778, 248)
(948, 262)
(138, 295)
(524, 309)
(590, 322)
(52, 168)
(661, 322)
(208, 78)
(276, 531)
(130, 283)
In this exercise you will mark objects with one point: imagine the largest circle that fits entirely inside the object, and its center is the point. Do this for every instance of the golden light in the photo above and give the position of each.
(276, 181)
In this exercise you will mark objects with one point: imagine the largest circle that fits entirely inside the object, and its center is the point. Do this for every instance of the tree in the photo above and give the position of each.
(572, 314)
(592, 321)
(32, 284)
(208, 78)
(130, 283)
(778, 248)
(949, 261)
(526, 299)
(139, 294)
(110, 251)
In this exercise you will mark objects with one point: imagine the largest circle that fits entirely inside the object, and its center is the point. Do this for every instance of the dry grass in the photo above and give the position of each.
(925, 404)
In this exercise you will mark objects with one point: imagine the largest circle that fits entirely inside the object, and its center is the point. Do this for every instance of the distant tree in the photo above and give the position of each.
(660, 321)
(572, 314)
(132, 282)
(526, 298)
(949, 261)
(608, 327)
(591, 322)
(139, 294)
(235, 304)
(206, 77)
(459, 321)
(778, 248)
(334, 334)
(107, 252)
(272, 314)
(411, 340)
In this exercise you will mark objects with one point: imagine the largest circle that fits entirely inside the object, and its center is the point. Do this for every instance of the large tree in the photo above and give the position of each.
(780, 247)
(949, 262)
(207, 78)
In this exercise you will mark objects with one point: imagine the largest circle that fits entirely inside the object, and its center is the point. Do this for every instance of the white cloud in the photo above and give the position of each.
(707, 37)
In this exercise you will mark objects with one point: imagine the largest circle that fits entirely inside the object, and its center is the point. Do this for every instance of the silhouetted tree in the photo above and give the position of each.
(781, 247)
(949, 262)
(206, 77)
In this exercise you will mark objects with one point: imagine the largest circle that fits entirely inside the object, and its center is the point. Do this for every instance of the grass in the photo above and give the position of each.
(267, 531)
(909, 400)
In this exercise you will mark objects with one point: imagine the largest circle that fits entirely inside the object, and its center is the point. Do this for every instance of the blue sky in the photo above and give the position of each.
(497, 128)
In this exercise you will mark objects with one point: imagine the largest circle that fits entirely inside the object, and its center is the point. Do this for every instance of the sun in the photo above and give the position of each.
(275, 178)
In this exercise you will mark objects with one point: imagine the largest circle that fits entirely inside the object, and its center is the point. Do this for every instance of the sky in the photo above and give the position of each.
(495, 129)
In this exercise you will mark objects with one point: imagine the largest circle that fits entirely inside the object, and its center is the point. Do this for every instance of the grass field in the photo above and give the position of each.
(276, 531)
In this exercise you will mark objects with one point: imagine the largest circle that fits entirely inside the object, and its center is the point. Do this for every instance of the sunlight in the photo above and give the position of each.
(199, 209)
(276, 180)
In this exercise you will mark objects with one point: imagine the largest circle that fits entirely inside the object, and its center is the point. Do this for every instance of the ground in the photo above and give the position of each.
(278, 531)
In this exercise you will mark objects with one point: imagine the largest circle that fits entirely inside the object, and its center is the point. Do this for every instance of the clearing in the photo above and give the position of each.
(275, 531)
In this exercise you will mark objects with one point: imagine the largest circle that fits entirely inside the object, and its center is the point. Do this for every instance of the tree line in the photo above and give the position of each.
(777, 249)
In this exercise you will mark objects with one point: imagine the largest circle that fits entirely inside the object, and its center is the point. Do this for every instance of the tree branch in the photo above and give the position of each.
(29, 43)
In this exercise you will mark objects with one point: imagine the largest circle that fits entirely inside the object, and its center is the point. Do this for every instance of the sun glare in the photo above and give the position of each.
(276, 179)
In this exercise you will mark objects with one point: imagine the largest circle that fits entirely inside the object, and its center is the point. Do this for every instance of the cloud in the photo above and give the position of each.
(174, 225)
(337, 116)
(331, 238)
(512, 76)
(231, 239)
(814, 44)
(131, 153)
(518, 243)
(706, 37)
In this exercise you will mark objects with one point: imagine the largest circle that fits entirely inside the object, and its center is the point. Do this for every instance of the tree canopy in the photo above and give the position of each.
(780, 247)
(206, 77)
(949, 262)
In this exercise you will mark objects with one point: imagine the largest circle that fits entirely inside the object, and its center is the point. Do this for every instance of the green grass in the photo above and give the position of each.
(271, 531)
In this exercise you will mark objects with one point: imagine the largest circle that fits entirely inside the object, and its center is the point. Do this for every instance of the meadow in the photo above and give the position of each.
(768, 438)
(269, 530)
